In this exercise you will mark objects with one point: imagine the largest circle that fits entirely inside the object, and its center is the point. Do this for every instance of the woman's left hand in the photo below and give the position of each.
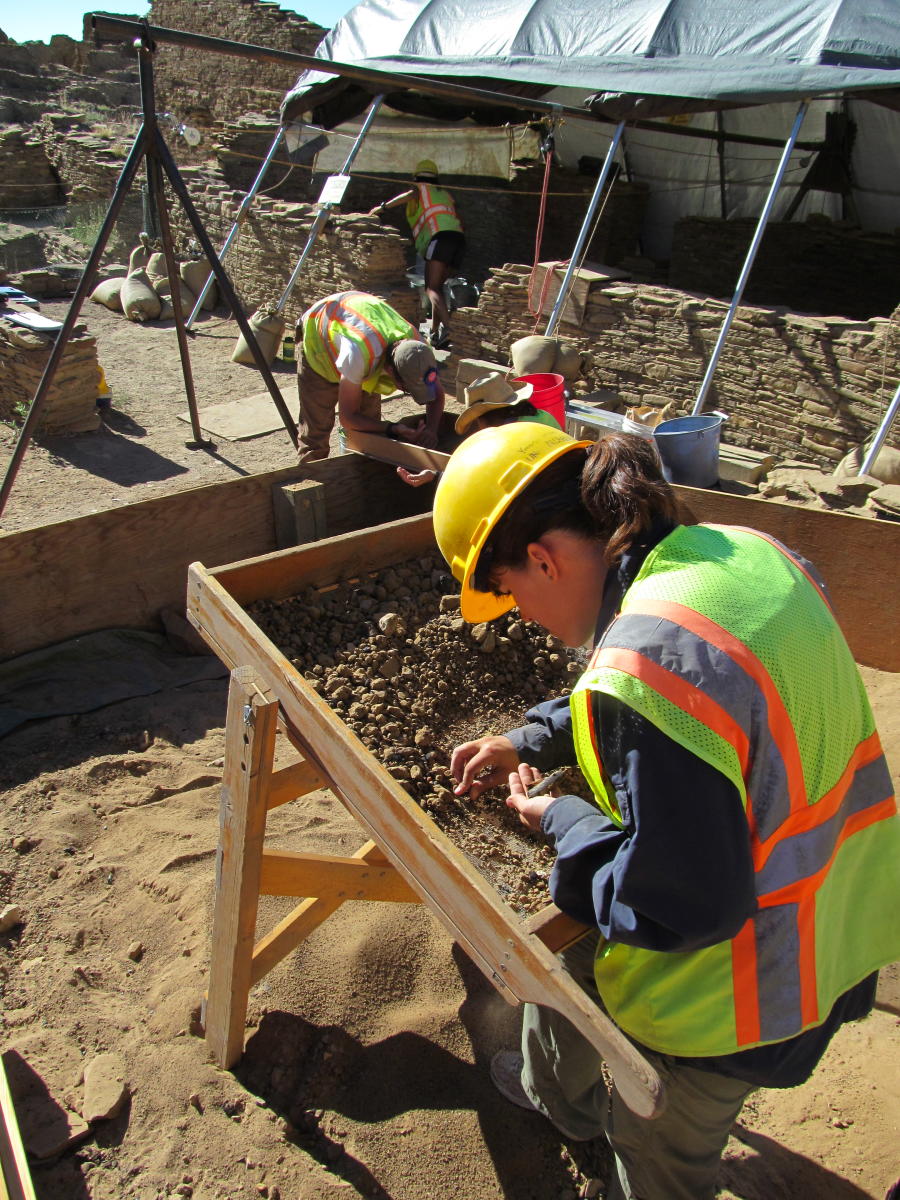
(529, 808)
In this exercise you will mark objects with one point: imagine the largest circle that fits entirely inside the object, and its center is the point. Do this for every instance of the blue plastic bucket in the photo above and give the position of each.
(689, 449)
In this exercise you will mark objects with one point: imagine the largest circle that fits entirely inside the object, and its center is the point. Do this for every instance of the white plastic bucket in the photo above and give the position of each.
(689, 449)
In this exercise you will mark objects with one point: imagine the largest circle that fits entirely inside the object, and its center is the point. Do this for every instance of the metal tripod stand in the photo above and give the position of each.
(150, 144)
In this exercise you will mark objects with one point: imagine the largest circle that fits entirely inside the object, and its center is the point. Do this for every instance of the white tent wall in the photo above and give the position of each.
(876, 165)
(395, 144)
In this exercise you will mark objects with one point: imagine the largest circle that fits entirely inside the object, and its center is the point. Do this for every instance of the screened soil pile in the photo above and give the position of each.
(392, 656)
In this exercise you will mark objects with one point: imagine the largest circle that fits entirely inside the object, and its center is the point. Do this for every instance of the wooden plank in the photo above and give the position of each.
(554, 928)
(399, 454)
(292, 781)
(285, 573)
(250, 727)
(15, 1176)
(120, 567)
(300, 514)
(292, 873)
(300, 923)
(520, 966)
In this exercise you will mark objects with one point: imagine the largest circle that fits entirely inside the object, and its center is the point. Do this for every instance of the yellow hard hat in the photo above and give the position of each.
(426, 167)
(479, 483)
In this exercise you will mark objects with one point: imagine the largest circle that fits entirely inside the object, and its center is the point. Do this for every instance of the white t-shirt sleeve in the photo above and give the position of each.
(350, 362)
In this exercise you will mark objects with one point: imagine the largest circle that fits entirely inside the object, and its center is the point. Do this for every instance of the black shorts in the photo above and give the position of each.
(448, 247)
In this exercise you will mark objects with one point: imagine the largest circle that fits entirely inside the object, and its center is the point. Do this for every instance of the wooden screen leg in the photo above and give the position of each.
(250, 727)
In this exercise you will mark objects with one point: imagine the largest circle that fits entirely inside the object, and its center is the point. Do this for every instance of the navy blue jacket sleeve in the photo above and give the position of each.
(546, 741)
(678, 876)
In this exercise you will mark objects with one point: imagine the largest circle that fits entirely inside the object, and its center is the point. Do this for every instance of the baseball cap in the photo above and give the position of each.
(416, 368)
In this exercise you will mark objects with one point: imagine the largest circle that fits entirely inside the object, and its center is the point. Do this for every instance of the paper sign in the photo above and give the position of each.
(333, 191)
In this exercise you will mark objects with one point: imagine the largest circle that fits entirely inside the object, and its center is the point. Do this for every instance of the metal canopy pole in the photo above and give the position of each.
(236, 227)
(748, 261)
(326, 210)
(146, 50)
(583, 232)
(883, 429)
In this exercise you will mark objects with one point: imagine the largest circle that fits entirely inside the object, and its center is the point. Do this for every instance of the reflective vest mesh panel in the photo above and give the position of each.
(429, 212)
(728, 647)
(371, 323)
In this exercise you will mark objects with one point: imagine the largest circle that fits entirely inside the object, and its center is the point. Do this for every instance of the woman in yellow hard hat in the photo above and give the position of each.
(438, 234)
(737, 846)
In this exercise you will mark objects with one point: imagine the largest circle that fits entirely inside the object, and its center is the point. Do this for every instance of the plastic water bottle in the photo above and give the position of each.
(287, 348)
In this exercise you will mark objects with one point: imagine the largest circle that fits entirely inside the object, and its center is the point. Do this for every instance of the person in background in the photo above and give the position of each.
(489, 401)
(738, 851)
(438, 235)
(355, 348)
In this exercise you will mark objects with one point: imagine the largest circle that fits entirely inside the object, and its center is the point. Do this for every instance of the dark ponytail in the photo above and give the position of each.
(623, 491)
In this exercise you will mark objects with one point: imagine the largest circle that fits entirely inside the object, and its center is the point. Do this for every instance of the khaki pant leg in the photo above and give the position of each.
(674, 1157)
(677, 1156)
(318, 404)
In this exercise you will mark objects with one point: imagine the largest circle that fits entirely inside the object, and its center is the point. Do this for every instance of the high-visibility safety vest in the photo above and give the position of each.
(368, 321)
(729, 647)
(431, 210)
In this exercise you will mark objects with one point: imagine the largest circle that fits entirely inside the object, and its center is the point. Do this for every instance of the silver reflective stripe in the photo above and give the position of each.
(726, 682)
(335, 311)
(778, 972)
(804, 854)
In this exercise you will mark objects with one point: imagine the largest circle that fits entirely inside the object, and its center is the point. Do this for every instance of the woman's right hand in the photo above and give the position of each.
(493, 754)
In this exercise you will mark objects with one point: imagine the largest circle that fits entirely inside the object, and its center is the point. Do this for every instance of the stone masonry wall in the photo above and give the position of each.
(202, 86)
(812, 266)
(500, 220)
(796, 386)
(353, 252)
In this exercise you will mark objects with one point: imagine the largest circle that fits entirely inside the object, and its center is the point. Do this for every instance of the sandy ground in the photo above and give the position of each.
(365, 1071)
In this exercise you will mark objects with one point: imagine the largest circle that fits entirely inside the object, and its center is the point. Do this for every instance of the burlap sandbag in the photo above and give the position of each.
(268, 327)
(163, 289)
(195, 273)
(109, 294)
(537, 355)
(156, 265)
(533, 355)
(885, 468)
(139, 301)
(140, 255)
(568, 362)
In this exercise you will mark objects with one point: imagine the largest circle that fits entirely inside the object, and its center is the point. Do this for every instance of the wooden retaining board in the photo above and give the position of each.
(120, 567)
(516, 961)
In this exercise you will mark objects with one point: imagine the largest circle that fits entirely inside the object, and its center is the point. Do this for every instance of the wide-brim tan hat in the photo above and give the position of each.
(486, 394)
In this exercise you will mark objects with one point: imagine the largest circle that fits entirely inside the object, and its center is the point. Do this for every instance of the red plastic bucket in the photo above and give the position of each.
(548, 395)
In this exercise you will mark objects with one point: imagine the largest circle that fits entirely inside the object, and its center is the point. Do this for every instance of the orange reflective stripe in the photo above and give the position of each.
(780, 725)
(781, 550)
(823, 810)
(744, 985)
(680, 693)
(796, 892)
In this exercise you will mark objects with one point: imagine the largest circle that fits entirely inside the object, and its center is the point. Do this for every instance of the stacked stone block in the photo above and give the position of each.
(353, 251)
(70, 406)
(228, 86)
(799, 387)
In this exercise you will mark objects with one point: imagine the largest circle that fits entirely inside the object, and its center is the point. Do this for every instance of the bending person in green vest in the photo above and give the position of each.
(355, 348)
(438, 234)
(738, 848)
